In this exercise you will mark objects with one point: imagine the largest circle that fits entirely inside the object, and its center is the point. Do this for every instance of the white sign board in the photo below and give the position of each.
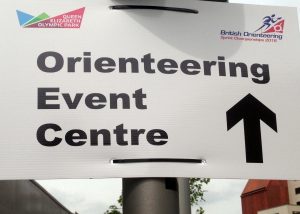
(93, 89)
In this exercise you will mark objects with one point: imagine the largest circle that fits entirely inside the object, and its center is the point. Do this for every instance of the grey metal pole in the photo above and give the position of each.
(150, 196)
(184, 195)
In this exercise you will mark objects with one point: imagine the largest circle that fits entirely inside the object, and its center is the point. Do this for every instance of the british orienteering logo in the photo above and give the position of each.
(272, 24)
(271, 30)
(72, 19)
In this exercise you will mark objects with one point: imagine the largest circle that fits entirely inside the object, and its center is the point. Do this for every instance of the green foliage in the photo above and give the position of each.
(200, 211)
(113, 209)
(197, 192)
(120, 200)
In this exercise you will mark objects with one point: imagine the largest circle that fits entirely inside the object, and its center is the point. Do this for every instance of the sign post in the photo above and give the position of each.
(150, 196)
(184, 195)
(156, 195)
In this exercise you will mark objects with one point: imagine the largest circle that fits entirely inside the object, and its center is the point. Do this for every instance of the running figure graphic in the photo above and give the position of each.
(268, 21)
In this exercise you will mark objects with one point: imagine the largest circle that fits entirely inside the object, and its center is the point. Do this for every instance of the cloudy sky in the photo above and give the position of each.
(95, 196)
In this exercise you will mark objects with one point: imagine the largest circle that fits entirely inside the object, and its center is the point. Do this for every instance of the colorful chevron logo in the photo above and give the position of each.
(72, 19)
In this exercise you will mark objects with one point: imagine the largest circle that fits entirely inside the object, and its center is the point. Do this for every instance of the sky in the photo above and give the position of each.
(95, 196)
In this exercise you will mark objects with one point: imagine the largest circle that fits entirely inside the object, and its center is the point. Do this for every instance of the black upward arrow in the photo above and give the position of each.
(252, 111)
